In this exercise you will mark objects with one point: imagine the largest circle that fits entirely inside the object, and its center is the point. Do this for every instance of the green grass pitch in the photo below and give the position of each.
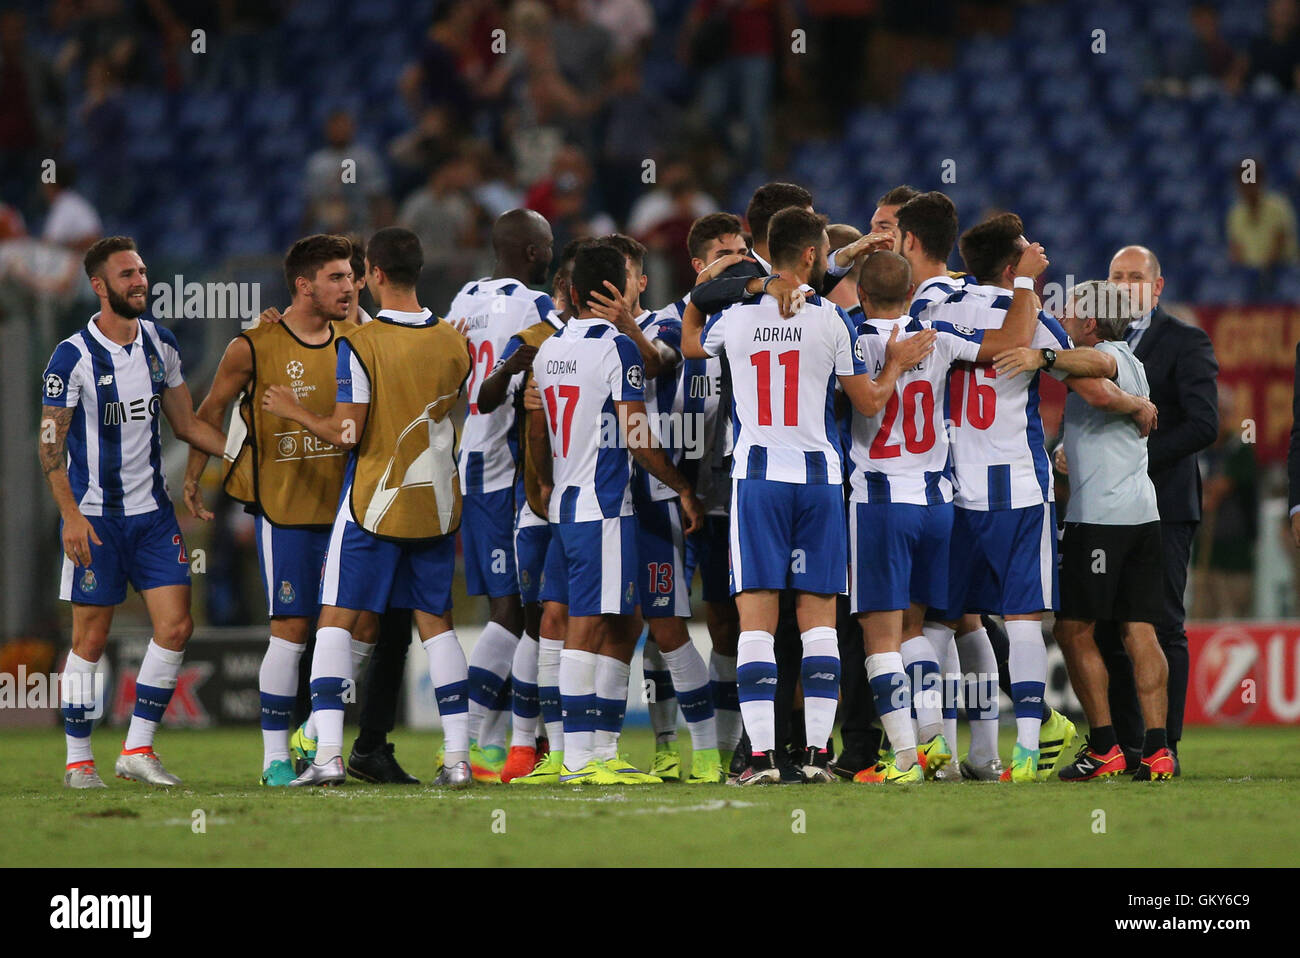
(1235, 806)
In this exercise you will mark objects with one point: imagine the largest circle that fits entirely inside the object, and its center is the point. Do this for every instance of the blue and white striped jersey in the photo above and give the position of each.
(900, 454)
(581, 372)
(936, 289)
(660, 401)
(702, 398)
(783, 376)
(114, 447)
(494, 309)
(996, 431)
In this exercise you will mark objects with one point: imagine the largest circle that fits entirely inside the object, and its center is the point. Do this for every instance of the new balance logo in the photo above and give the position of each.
(660, 601)
(767, 681)
(106, 380)
(824, 676)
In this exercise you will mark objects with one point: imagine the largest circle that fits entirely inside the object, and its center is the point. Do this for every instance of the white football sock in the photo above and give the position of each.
(523, 678)
(79, 701)
(919, 656)
(578, 693)
(548, 677)
(277, 684)
(489, 667)
(449, 674)
(820, 672)
(663, 694)
(756, 681)
(611, 698)
(331, 676)
(979, 666)
(1027, 665)
(691, 680)
(886, 669)
(157, 673)
(726, 708)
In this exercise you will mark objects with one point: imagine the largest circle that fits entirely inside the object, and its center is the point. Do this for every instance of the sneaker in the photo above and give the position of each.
(761, 770)
(1024, 765)
(379, 767)
(990, 771)
(279, 772)
(949, 773)
(593, 773)
(485, 763)
(667, 763)
(546, 772)
(933, 755)
(1089, 764)
(1156, 767)
(301, 749)
(887, 773)
(847, 764)
(706, 768)
(621, 766)
(142, 765)
(82, 775)
(1055, 738)
(331, 773)
(454, 776)
(521, 760)
(816, 766)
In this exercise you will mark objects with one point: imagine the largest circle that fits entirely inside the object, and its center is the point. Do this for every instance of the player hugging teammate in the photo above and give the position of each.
(790, 449)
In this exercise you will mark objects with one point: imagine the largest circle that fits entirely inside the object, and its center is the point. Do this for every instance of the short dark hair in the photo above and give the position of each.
(708, 228)
(792, 231)
(592, 266)
(898, 196)
(886, 278)
(397, 252)
(309, 254)
(101, 250)
(932, 219)
(770, 199)
(626, 245)
(358, 259)
(990, 247)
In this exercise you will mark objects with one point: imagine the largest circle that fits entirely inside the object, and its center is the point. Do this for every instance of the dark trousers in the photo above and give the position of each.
(1126, 716)
(788, 648)
(384, 677)
(861, 738)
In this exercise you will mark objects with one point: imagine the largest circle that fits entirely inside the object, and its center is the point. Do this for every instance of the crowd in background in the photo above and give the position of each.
(564, 121)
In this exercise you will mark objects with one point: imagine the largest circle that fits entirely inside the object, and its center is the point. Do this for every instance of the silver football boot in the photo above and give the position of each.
(989, 771)
(331, 773)
(951, 773)
(144, 767)
(454, 776)
(83, 776)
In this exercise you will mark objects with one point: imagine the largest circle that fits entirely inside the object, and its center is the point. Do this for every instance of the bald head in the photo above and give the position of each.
(522, 242)
(885, 282)
(1138, 271)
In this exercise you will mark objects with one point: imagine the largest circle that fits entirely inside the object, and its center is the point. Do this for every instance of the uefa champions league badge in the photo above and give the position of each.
(627, 597)
(88, 581)
(286, 594)
(156, 369)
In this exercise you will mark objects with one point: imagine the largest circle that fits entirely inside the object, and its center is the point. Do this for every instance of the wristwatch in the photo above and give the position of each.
(1049, 358)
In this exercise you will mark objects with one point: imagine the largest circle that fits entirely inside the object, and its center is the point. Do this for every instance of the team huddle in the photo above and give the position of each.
(838, 434)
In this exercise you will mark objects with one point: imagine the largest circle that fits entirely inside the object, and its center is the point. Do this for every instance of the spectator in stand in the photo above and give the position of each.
(1275, 57)
(635, 122)
(563, 197)
(1205, 58)
(582, 46)
(1261, 230)
(630, 23)
(457, 67)
(30, 105)
(662, 219)
(1223, 564)
(72, 222)
(442, 214)
(359, 205)
(734, 46)
(417, 151)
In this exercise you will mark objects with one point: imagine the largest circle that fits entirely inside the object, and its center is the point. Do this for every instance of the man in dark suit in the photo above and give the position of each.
(1181, 370)
(1293, 456)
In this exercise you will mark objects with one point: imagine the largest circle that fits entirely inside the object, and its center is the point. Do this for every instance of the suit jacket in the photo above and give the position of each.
(1181, 370)
(1293, 454)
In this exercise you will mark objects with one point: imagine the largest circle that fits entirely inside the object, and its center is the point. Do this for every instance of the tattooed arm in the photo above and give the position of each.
(78, 533)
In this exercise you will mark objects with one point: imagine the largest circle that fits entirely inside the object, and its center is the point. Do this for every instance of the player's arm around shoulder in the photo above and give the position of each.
(868, 396)
(516, 358)
(345, 423)
(234, 375)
